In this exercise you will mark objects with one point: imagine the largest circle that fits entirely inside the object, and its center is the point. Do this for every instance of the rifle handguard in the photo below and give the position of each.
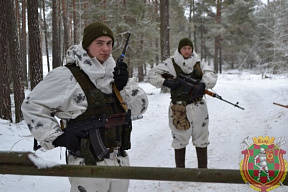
(188, 81)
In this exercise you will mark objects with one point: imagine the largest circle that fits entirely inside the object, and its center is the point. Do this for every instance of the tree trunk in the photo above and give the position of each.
(220, 39)
(220, 59)
(191, 2)
(157, 41)
(75, 23)
(17, 16)
(23, 44)
(45, 36)
(164, 34)
(217, 38)
(164, 29)
(17, 73)
(202, 47)
(60, 42)
(140, 66)
(85, 7)
(216, 55)
(194, 32)
(35, 61)
(5, 101)
(65, 26)
(56, 60)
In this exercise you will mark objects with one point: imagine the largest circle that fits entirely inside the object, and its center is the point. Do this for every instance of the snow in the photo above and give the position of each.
(41, 163)
(151, 139)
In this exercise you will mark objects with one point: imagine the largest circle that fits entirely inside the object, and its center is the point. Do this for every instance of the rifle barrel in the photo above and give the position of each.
(210, 93)
(286, 106)
(121, 58)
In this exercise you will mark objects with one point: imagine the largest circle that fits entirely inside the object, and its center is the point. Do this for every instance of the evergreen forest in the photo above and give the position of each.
(228, 34)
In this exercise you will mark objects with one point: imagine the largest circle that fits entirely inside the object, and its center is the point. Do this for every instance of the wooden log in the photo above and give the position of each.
(19, 163)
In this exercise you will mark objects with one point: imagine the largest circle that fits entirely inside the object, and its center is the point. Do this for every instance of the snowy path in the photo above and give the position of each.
(229, 126)
(151, 140)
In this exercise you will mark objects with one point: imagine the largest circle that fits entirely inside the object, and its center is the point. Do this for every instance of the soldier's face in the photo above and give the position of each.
(186, 51)
(100, 48)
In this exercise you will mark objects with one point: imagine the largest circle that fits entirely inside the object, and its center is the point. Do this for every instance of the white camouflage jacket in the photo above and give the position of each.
(60, 95)
(155, 78)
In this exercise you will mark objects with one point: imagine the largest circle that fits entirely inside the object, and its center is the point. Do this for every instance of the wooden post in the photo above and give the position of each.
(19, 163)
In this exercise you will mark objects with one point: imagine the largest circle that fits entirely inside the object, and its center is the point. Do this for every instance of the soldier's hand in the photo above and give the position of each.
(199, 90)
(121, 75)
(69, 140)
(173, 85)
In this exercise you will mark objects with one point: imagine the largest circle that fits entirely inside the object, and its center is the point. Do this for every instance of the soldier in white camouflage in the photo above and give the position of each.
(188, 114)
(85, 93)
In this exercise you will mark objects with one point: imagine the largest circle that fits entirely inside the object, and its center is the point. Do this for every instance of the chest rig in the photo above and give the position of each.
(100, 104)
(177, 95)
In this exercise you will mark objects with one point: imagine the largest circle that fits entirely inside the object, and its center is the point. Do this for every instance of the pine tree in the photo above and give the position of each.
(17, 73)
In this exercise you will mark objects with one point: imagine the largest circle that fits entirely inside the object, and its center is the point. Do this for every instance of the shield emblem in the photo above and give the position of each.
(263, 166)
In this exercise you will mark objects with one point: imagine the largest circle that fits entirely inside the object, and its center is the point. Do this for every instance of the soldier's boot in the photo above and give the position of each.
(180, 157)
(202, 157)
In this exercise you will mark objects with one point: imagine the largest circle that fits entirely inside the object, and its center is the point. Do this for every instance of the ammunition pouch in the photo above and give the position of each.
(180, 120)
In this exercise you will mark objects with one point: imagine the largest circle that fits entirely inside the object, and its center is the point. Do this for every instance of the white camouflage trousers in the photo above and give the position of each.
(194, 125)
(83, 184)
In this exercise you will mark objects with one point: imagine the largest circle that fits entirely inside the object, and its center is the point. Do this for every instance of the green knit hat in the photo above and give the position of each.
(185, 42)
(95, 30)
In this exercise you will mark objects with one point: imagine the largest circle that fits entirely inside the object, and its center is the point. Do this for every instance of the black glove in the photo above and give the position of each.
(173, 85)
(199, 90)
(120, 75)
(69, 140)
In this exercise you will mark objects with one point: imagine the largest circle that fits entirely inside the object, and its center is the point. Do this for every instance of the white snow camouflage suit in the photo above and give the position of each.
(61, 95)
(197, 113)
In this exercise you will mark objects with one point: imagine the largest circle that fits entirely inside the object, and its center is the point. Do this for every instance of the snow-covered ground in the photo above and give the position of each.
(151, 140)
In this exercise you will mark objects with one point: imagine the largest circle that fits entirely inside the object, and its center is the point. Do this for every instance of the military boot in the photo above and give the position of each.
(180, 157)
(201, 157)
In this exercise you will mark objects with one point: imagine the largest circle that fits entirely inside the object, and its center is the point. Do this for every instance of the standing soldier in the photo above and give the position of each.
(84, 94)
(188, 114)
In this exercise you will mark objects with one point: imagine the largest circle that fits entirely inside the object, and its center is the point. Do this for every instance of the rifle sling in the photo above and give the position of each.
(119, 97)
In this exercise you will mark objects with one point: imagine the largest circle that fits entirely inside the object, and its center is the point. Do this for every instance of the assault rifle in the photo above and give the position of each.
(95, 123)
(286, 106)
(99, 122)
(91, 129)
(121, 57)
(188, 81)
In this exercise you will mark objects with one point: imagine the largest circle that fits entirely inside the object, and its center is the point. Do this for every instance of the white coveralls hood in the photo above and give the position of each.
(186, 64)
(101, 75)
